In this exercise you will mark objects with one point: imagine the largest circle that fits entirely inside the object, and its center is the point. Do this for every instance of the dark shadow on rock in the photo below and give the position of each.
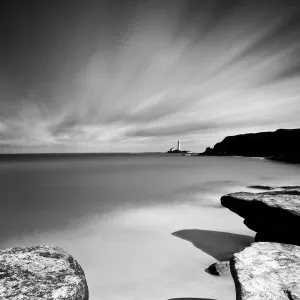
(211, 271)
(218, 244)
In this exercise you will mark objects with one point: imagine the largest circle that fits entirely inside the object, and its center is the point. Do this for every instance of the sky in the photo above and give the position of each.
(137, 75)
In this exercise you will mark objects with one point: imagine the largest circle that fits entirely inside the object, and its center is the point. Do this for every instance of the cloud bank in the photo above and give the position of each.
(138, 75)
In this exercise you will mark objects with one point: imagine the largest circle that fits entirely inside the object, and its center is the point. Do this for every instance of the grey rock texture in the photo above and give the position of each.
(219, 268)
(41, 272)
(273, 215)
(267, 271)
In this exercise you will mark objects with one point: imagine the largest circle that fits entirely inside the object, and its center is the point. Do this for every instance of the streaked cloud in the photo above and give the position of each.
(137, 75)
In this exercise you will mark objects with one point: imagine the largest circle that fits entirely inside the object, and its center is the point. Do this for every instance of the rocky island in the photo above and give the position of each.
(280, 145)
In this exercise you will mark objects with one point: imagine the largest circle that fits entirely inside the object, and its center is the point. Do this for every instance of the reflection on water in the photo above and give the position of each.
(115, 214)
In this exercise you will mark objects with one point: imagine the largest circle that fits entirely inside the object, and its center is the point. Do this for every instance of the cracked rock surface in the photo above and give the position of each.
(41, 272)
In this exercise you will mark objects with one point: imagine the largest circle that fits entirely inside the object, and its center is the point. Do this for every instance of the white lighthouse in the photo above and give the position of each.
(178, 150)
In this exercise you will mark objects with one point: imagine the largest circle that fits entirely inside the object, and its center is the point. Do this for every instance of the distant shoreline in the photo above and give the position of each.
(69, 155)
(77, 153)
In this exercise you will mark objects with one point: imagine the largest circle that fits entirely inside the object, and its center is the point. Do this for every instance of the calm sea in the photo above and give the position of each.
(116, 215)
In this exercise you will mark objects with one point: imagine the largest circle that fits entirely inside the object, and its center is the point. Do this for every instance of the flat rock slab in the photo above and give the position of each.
(275, 216)
(267, 271)
(286, 201)
(41, 272)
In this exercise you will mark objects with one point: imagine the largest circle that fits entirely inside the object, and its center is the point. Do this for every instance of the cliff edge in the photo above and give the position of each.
(41, 272)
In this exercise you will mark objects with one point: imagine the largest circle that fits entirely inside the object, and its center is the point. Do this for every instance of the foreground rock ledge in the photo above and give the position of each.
(41, 272)
(267, 271)
(273, 215)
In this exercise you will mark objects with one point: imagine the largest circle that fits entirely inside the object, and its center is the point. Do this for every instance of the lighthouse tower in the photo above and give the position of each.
(178, 145)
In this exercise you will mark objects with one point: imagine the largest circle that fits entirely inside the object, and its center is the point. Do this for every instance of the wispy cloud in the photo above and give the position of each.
(135, 75)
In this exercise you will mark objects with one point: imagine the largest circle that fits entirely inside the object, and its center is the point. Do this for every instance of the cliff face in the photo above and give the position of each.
(283, 144)
(41, 272)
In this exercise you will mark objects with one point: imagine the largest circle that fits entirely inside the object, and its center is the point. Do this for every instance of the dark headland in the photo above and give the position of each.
(280, 145)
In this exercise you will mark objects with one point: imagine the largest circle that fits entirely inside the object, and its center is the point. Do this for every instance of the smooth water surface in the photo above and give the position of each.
(142, 227)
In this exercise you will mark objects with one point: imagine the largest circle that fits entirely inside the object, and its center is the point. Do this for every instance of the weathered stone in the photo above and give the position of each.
(267, 271)
(273, 215)
(219, 268)
(41, 272)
